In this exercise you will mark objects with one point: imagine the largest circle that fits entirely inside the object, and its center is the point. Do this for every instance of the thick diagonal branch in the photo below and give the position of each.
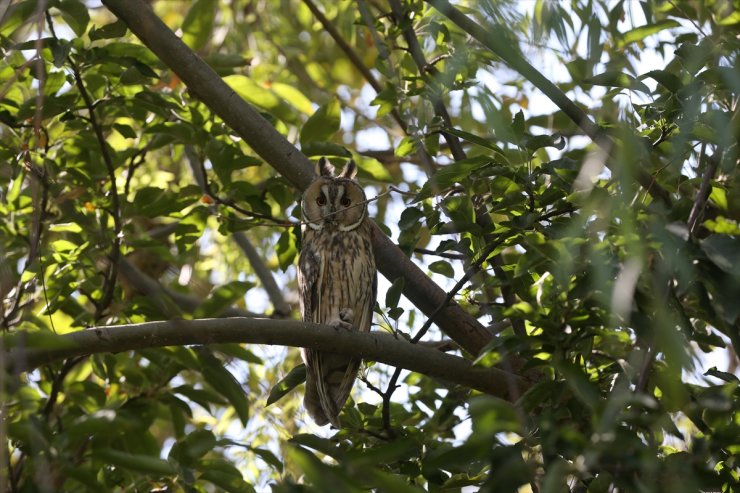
(375, 346)
(288, 161)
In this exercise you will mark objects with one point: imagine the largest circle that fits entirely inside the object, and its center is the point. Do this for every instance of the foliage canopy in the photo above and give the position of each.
(571, 179)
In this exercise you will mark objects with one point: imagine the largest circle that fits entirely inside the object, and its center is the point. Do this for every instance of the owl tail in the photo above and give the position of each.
(312, 403)
(328, 387)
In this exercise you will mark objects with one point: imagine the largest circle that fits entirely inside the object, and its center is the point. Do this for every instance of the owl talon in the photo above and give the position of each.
(339, 324)
(347, 315)
(345, 319)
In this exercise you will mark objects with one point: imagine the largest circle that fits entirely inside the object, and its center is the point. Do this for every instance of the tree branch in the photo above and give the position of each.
(111, 277)
(282, 308)
(376, 346)
(704, 190)
(458, 153)
(424, 68)
(167, 300)
(352, 55)
(288, 161)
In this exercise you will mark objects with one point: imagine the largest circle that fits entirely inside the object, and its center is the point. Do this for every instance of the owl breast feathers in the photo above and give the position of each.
(337, 282)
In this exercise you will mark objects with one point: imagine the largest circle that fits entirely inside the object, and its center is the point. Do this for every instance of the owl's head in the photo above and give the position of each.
(334, 201)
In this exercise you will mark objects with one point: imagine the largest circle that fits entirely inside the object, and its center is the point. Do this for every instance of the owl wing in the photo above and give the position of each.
(310, 277)
(309, 284)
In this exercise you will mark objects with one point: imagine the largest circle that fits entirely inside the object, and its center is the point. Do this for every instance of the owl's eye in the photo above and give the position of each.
(345, 201)
(321, 200)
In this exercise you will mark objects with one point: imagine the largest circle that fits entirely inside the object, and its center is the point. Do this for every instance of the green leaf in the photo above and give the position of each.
(223, 297)
(451, 174)
(323, 124)
(75, 14)
(480, 141)
(406, 147)
(386, 100)
(231, 482)
(579, 383)
(374, 169)
(393, 295)
(286, 249)
(154, 201)
(52, 106)
(665, 79)
(534, 142)
(223, 474)
(409, 218)
(193, 446)
(518, 124)
(724, 251)
(137, 462)
(722, 225)
(293, 96)
(197, 28)
(227, 158)
(321, 476)
(642, 32)
(113, 30)
(617, 78)
(386, 453)
(125, 130)
(268, 457)
(238, 351)
(224, 383)
(719, 197)
(177, 130)
(385, 481)
(323, 445)
(295, 377)
(16, 15)
(261, 97)
(442, 267)
(722, 375)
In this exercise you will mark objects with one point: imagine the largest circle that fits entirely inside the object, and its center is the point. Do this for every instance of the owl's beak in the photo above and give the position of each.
(331, 218)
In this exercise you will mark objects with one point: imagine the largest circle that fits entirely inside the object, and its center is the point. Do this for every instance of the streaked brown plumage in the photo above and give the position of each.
(337, 282)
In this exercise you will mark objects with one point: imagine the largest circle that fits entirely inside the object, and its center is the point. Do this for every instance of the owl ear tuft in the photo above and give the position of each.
(324, 167)
(350, 170)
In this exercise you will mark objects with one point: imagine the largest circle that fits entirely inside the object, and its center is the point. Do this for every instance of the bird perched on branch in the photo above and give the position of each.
(337, 282)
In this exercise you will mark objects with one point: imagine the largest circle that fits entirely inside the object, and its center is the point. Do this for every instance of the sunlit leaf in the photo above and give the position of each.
(295, 377)
(640, 33)
(323, 124)
(197, 28)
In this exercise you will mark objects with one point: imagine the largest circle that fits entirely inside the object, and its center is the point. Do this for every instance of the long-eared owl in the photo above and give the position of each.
(337, 282)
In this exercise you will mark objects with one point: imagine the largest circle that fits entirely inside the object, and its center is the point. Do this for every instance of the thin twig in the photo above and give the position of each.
(115, 254)
(472, 270)
(353, 57)
(282, 308)
(39, 177)
(452, 256)
(427, 163)
(704, 190)
(425, 68)
(206, 186)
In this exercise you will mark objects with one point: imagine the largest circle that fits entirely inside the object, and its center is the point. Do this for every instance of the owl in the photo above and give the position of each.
(337, 282)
